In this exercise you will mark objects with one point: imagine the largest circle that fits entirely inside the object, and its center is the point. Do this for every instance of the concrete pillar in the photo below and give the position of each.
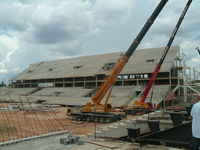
(73, 82)
(194, 72)
(54, 83)
(184, 78)
(37, 81)
(96, 81)
(84, 82)
(179, 90)
(137, 80)
(122, 80)
(190, 78)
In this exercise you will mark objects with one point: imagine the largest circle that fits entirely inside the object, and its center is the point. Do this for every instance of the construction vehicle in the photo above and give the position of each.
(98, 112)
(142, 105)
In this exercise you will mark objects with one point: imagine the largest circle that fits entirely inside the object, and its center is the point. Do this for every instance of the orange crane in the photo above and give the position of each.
(142, 104)
(96, 111)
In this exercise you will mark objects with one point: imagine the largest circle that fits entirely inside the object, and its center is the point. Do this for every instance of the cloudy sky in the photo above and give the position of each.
(41, 30)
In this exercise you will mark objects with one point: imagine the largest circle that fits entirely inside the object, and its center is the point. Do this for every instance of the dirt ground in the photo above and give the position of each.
(77, 128)
(15, 124)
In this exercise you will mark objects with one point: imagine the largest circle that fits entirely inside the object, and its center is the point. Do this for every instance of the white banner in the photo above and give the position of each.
(45, 84)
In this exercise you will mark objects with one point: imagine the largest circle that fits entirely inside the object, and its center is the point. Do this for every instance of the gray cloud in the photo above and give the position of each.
(107, 13)
(13, 17)
(51, 33)
(47, 30)
(166, 22)
(64, 23)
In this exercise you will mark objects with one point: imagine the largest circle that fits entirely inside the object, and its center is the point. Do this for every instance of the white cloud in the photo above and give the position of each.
(8, 47)
(188, 47)
(17, 69)
(32, 31)
(187, 37)
(107, 12)
(43, 30)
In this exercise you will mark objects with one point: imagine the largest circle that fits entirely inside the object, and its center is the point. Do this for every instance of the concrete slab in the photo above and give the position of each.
(48, 143)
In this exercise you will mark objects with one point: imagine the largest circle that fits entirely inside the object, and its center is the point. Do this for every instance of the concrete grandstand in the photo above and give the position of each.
(73, 81)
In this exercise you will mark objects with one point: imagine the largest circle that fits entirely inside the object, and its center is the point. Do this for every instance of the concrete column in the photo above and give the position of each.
(37, 81)
(73, 82)
(96, 81)
(122, 80)
(84, 82)
(137, 80)
(179, 90)
(190, 78)
(184, 78)
(194, 72)
(54, 83)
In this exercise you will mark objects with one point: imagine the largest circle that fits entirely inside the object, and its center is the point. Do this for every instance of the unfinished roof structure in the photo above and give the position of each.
(75, 80)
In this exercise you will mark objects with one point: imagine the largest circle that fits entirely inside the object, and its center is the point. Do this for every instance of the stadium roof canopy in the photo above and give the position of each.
(142, 61)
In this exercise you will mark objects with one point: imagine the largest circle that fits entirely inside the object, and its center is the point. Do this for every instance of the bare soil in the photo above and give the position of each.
(15, 124)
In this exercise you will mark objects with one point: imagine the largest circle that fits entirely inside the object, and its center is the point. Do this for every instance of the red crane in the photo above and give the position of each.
(141, 103)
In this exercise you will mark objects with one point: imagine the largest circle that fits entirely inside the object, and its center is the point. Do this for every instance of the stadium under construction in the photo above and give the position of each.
(136, 99)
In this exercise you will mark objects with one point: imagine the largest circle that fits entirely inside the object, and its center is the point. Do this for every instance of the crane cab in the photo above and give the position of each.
(139, 104)
(71, 110)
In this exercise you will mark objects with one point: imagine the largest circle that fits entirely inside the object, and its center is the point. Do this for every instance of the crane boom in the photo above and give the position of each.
(197, 48)
(115, 71)
(158, 66)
